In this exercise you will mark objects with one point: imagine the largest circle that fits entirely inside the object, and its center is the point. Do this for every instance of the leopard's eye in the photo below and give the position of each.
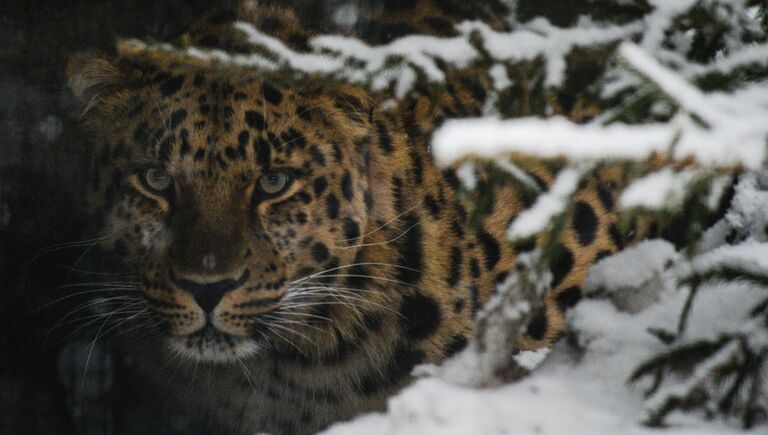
(157, 179)
(274, 183)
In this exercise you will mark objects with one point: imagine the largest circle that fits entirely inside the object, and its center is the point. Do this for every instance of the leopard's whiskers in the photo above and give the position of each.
(379, 228)
(333, 269)
(59, 247)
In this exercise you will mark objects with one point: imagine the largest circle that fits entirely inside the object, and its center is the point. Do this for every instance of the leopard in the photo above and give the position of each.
(287, 228)
(297, 239)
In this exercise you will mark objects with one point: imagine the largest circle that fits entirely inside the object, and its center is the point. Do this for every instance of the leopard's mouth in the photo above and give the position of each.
(211, 345)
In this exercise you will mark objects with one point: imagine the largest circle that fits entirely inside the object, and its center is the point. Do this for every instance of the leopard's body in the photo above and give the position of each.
(312, 304)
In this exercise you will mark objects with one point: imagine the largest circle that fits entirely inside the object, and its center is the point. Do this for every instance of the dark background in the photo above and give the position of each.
(42, 166)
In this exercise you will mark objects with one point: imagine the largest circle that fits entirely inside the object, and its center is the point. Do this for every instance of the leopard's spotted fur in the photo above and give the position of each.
(369, 263)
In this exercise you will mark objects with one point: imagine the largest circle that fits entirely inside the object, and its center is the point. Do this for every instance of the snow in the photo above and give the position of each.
(466, 174)
(499, 76)
(331, 53)
(553, 137)
(658, 21)
(735, 130)
(373, 64)
(749, 256)
(310, 62)
(755, 54)
(530, 359)
(716, 191)
(577, 393)
(750, 205)
(434, 406)
(721, 307)
(747, 218)
(419, 50)
(689, 97)
(637, 264)
(518, 173)
(659, 190)
(562, 396)
(540, 38)
(547, 206)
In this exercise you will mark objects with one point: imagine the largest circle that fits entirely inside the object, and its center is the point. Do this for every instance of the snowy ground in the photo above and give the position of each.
(559, 398)
(578, 389)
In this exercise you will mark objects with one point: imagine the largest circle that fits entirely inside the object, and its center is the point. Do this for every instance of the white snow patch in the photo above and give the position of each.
(560, 397)
(659, 190)
(309, 62)
(660, 19)
(466, 174)
(633, 279)
(547, 206)
(434, 406)
(553, 137)
(530, 359)
(721, 307)
(736, 129)
(420, 50)
(541, 38)
(749, 209)
(749, 256)
(499, 76)
(754, 54)
(632, 267)
(518, 173)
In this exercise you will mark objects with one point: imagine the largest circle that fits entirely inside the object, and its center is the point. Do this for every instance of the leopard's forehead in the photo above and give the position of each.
(203, 123)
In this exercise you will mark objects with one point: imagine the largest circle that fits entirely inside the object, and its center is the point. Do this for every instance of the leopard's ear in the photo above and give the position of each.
(94, 79)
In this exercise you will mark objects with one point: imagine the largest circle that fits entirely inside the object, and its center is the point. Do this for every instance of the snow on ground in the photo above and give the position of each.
(641, 269)
(561, 397)
(576, 391)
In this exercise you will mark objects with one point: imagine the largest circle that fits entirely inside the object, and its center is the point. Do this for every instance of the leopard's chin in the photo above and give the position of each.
(210, 345)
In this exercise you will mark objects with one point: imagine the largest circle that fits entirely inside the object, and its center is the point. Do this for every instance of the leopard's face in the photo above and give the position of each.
(233, 201)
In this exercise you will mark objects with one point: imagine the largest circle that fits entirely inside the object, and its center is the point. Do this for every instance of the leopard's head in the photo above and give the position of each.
(225, 191)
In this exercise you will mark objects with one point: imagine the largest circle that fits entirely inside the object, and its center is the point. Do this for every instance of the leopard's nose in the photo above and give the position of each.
(209, 294)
